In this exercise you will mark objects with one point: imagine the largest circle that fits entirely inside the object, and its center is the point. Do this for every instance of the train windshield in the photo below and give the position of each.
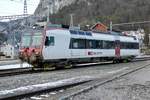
(32, 40)
(36, 39)
(26, 40)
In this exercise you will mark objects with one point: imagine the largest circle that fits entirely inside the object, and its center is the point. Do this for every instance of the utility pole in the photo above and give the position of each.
(48, 13)
(50, 9)
(25, 12)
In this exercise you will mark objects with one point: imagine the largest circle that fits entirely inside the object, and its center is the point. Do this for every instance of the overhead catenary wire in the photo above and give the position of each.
(131, 23)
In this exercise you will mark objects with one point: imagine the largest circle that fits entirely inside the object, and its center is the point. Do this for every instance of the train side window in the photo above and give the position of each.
(105, 45)
(77, 43)
(128, 45)
(91, 44)
(108, 45)
(49, 41)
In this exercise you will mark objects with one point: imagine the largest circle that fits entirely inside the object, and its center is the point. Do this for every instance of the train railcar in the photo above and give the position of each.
(57, 46)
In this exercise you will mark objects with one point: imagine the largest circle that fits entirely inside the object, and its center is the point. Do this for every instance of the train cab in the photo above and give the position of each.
(31, 45)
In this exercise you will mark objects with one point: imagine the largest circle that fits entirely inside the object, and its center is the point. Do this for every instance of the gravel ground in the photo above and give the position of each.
(12, 82)
(135, 86)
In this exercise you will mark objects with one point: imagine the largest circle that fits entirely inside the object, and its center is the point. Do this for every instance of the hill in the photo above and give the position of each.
(92, 11)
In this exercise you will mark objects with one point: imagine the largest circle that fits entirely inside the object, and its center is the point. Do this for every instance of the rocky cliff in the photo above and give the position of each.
(55, 6)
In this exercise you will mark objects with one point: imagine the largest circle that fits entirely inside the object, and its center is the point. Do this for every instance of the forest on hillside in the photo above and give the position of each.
(91, 11)
(118, 11)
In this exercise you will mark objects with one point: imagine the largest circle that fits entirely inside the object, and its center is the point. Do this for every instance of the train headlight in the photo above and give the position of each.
(37, 53)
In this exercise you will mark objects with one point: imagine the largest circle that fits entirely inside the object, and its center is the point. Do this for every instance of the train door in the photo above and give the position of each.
(117, 48)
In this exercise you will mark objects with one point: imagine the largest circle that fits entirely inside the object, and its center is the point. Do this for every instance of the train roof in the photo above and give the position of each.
(78, 31)
(90, 33)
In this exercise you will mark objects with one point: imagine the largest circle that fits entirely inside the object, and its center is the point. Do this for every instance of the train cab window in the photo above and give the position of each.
(49, 41)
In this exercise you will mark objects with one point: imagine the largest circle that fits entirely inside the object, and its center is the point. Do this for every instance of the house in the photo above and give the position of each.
(99, 27)
(8, 51)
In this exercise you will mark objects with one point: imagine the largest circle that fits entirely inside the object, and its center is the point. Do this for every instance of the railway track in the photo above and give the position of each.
(90, 84)
(99, 82)
(16, 71)
(28, 70)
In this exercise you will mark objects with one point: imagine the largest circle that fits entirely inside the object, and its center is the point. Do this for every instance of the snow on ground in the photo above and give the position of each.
(44, 86)
(135, 86)
(119, 70)
(142, 55)
(14, 66)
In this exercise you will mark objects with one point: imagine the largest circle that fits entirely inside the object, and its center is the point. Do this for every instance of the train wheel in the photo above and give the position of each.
(48, 67)
(121, 60)
(125, 61)
(115, 61)
(68, 65)
(36, 67)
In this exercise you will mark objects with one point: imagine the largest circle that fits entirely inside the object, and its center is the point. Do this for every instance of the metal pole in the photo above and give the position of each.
(48, 14)
(111, 26)
(9, 30)
(149, 39)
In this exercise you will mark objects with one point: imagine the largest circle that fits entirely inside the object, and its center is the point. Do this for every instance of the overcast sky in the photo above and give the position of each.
(15, 7)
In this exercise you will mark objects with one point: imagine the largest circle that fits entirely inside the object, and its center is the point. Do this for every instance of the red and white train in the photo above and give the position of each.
(57, 46)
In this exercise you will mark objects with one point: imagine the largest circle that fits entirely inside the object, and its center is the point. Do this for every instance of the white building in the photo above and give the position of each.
(139, 34)
(9, 51)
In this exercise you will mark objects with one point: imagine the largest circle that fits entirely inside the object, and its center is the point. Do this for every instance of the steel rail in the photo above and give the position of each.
(98, 82)
(29, 70)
